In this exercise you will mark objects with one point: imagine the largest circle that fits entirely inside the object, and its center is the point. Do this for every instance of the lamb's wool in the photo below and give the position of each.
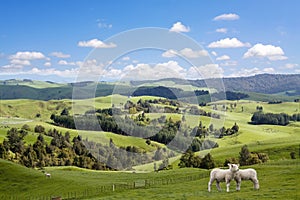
(246, 174)
(223, 175)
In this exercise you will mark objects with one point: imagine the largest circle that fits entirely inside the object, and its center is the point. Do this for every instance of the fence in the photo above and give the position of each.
(107, 189)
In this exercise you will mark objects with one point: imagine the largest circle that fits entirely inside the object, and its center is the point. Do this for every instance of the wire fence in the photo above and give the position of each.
(108, 189)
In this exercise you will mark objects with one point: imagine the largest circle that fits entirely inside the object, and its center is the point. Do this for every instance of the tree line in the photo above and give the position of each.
(62, 150)
(282, 119)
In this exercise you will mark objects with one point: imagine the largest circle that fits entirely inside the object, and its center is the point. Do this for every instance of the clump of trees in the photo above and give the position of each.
(194, 110)
(248, 158)
(61, 151)
(189, 159)
(282, 119)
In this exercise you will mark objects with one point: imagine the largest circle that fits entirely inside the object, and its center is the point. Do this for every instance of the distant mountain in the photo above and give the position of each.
(263, 83)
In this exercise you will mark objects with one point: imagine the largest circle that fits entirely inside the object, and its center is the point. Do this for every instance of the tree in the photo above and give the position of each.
(39, 129)
(244, 155)
(15, 140)
(65, 111)
(235, 128)
(207, 162)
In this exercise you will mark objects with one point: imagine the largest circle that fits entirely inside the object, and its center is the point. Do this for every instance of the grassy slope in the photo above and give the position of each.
(277, 141)
(277, 180)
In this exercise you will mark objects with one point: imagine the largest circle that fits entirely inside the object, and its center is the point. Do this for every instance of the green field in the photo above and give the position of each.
(278, 177)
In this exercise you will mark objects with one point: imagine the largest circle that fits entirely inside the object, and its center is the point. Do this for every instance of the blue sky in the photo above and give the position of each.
(52, 39)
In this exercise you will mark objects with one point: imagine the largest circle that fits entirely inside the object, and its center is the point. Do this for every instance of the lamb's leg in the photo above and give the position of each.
(255, 184)
(218, 185)
(227, 185)
(209, 185)
(238, 185)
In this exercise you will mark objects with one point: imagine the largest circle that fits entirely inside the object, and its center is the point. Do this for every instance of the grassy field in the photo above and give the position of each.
(278, 178)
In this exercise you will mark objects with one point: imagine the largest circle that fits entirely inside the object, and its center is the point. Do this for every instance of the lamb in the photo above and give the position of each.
(246, 174)
(48, 175)
(223, 175)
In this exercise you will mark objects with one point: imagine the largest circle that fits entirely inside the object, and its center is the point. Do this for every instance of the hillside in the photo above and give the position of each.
(284, 87)
(261, 83)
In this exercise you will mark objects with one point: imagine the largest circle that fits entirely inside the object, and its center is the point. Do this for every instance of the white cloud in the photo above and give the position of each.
(27, 55)
(20, 62)
(230, 63)
(265, 51)
(214, 53)
(187, 52)
(170, 53)
(142, 71)
(205, 71)
(64, 62)
(221, 30)
(252, 72)
(179, 27)
(12, 67)
(229, 16)
(47, 64)
(60, 55)
(290, 65)
(228, 43)
(95, 43)
(224, 57)
(126, 58)
(102, 24)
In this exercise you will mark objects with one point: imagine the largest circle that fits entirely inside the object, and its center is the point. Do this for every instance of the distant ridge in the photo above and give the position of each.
(287, 84)
(261, 83)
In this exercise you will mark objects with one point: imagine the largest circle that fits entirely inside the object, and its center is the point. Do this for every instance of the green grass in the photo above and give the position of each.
(277, 180)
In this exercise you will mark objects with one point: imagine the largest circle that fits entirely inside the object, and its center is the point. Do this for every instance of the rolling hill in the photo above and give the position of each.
(279, 86)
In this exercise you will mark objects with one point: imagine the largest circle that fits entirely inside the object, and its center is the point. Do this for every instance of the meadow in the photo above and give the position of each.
(278, 177)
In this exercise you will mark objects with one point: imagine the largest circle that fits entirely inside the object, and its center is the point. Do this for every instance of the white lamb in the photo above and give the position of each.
(223, 175)
(246, 174)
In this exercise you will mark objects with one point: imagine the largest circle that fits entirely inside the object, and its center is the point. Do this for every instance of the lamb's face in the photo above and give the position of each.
(234, 167)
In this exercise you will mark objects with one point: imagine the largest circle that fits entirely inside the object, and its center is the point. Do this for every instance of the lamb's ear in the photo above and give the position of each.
(229, 165)
(238, 164)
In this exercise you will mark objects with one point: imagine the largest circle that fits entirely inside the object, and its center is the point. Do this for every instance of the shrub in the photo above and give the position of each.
(293, 155)
(230, 160)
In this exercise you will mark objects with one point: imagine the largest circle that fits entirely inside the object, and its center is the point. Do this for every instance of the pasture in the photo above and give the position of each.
(278, 177)
(278, 180)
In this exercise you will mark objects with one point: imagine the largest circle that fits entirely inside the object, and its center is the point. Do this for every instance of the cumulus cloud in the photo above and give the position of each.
(265, 51)
(170, 53)
(221, 30)
(187, 52)
(229, 16)
(47, 64)
(228, 43)
(95, 43)
(27, 55)
(224, 57)
(20, 62)
(142, 71)
(64, 62)
(205, 71)
(179, 27)
(214, 53)
(60, 55)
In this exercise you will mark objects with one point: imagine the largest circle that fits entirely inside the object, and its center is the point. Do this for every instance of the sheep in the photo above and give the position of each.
(246, 174)
(223, 175)
(48, 175)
